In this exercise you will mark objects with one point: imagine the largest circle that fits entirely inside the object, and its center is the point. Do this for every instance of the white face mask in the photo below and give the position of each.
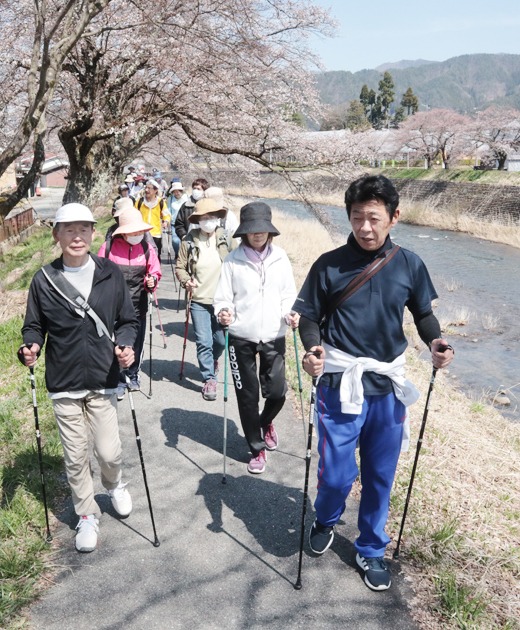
(197, 194)
(209, 225)
(135, 240)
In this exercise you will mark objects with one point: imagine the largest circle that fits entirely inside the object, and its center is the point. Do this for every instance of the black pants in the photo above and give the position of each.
(158, 242)
(271, 379)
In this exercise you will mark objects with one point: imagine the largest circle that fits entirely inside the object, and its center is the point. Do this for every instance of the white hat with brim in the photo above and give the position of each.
(72, 213)
(176, 186)
(206, 206)
(131, 221)
(152, 181)
(216, 193)
(129, 179)
(122, 204)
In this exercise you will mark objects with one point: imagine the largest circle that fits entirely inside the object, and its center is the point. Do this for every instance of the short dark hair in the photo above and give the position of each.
(200, 182)
(370, 187)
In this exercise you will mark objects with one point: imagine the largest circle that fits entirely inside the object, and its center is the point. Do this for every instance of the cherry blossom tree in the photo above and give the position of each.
(37, 36)
(499, 129)
(229, 77)
(436, 132)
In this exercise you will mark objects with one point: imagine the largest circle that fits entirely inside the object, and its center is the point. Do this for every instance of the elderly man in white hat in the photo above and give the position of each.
(79, 305)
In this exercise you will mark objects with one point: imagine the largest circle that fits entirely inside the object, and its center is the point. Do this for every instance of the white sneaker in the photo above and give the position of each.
(86, 537)
(121, 392)
(121, 499)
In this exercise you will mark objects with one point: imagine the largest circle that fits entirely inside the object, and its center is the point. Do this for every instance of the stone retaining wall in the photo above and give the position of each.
(496, 202)
(501, 203)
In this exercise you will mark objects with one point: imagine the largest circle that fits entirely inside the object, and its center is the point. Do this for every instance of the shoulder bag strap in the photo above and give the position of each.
(363, 277)
(74, 297)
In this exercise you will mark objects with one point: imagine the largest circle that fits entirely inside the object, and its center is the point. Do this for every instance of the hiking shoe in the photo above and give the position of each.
(257, 464)
(86, 537)
(134, 385)
(320, 537)
(209, 390)
(121, 389)
(121, 499)
(377, 573)
(271, 438)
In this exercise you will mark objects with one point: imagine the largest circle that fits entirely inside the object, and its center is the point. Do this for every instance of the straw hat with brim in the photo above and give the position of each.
(255, 217)
(72, 213)
(206, 206)
(122, 204)
(131, 221)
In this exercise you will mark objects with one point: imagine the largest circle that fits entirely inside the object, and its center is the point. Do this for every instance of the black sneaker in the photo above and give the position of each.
(320, 537)
(377, 573)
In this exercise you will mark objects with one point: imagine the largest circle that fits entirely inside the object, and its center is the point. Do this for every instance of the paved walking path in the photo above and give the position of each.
(228, 554)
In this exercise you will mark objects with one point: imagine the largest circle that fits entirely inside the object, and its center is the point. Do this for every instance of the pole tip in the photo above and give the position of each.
(298, 586)
(395, 555)
(156, 543)
(224, 480)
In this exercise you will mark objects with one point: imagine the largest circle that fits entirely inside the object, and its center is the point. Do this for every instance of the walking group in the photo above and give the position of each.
(241, 296)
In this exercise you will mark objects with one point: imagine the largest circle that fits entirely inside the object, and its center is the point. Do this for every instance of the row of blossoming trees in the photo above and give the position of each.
(489, 136)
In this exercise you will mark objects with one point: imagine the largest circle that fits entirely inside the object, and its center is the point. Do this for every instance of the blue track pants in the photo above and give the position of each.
(379, 431)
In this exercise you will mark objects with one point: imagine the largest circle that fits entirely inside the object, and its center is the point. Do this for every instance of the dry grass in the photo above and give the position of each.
(505, 231)
(461, 547)
(12, 304)
(498, 231)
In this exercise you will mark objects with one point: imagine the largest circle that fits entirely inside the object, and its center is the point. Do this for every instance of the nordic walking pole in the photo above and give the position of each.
(150, 330)
(300, 386)
(159, 317)
(40, 458)
(417, 451)
(186, 326)
(156, 542)
(224, 446)
(298, 583)
(170, 260)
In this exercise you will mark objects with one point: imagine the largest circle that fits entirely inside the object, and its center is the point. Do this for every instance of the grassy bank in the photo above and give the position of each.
(25, 557)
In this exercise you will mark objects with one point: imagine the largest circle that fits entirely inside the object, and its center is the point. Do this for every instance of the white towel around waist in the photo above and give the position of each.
(351, 389)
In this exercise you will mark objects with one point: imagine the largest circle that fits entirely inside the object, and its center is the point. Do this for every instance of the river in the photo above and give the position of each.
(479, 302)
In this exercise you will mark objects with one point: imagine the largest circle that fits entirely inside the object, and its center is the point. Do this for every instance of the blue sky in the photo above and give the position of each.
(377, 31)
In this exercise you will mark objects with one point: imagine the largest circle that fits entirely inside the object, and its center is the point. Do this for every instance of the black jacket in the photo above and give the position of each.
(76, 358)
(182, 224)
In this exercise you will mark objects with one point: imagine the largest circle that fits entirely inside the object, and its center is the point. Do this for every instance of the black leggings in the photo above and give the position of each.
(271, 379)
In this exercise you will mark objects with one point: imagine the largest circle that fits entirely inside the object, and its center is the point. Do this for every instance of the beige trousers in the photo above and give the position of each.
(94, 414)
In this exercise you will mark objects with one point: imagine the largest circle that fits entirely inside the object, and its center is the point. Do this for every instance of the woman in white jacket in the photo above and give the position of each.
(254, 298)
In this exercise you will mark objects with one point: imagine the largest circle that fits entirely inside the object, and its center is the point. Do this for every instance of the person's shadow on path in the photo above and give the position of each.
(204, 428)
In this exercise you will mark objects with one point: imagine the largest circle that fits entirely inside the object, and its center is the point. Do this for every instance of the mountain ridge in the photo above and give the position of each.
(465, 83)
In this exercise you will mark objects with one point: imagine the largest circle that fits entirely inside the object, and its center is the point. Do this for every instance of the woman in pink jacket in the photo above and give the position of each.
(142, 271)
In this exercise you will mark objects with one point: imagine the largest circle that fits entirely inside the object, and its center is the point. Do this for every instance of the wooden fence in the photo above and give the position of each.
(14, 225)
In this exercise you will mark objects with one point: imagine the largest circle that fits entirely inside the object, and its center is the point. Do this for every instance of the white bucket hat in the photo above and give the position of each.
(125, 203)
(72, 212)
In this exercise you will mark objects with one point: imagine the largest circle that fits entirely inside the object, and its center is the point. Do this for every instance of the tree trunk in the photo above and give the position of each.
(8, 202)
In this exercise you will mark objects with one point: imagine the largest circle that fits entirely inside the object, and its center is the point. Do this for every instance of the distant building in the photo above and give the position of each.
(513, 163)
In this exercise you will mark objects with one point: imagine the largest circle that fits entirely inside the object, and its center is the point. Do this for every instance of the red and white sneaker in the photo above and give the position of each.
(257, 464)
(271, 438)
